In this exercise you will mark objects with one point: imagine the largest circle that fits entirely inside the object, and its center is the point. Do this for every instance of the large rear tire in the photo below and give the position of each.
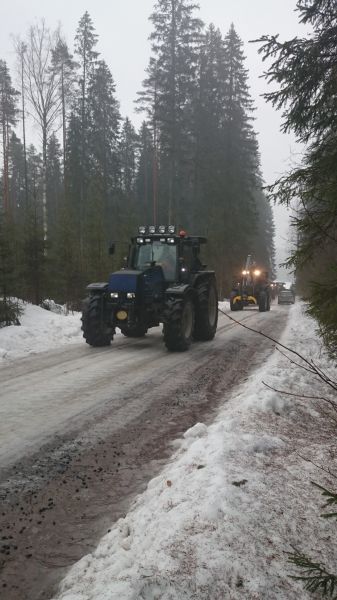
(206, 311)
(263, 302)
(95, 332)
(179, 324)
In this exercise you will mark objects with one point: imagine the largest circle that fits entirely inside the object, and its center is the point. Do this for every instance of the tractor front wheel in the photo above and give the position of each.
(206, 313)
(95, 332)
(179, 324)
(238, 305)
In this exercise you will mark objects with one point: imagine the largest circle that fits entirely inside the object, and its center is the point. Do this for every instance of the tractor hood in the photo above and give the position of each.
(125, 281)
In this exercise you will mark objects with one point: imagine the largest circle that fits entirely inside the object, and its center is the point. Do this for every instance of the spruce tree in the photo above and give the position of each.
(9, 309)
(146, 174)
(128, 148)
(8, 117)
(64, 65)
(85, 42)
(168, 97)
(17, 178)
(304, 71)
(227, 159)
(55, 189)
(103, 143)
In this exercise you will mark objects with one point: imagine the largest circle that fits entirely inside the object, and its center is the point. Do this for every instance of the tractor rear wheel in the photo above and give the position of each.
(179, 324)
(206, 311)
(135, 331)
(263, 302)
(95, 331)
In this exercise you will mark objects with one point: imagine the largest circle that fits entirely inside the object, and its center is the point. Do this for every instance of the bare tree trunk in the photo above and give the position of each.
(44, 184)
(5, 158)
(172, 211)
(22, 51)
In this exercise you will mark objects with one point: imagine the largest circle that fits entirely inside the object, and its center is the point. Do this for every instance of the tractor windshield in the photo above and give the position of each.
(160, 253)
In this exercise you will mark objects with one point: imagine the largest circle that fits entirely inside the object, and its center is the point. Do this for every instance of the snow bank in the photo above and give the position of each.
(40, 330)
(236, 496)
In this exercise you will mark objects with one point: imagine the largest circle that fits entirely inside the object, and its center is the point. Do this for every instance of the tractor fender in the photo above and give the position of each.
(204, 276)
(179, 290)
(97, 288)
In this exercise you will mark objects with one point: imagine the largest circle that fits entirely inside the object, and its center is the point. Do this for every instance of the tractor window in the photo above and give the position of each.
(191, 258)
(162, 254)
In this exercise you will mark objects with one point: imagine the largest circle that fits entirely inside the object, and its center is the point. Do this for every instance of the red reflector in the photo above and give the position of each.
(182, 233)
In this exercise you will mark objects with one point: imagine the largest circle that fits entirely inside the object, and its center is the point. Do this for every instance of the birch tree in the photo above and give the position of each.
(41, 84)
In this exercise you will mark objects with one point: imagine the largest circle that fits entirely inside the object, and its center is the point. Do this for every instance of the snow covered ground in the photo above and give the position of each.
(40, 330)
(235, 497)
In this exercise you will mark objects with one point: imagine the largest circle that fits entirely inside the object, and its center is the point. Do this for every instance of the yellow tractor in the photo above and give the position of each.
(252, 289)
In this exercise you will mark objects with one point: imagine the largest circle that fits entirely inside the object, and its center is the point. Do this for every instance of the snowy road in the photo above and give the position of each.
(57, 392)
(82, 430)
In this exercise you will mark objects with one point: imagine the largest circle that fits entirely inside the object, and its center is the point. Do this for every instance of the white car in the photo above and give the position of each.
(286, 297)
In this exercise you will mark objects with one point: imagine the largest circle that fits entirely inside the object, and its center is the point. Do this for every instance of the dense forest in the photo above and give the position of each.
(194, 162)
(304, 71)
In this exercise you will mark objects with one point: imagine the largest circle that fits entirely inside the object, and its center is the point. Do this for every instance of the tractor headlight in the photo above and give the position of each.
(142, 230)
(171, 229)
(170, 240)
(162, 229)
(257, 272)
(114, 295)
(152, 229)
(130, 295)
(140, 240)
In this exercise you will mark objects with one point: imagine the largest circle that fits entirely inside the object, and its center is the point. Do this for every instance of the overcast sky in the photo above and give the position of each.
(123, 29)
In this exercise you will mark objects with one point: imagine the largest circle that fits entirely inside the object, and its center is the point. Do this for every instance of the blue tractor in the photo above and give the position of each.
(164, 282)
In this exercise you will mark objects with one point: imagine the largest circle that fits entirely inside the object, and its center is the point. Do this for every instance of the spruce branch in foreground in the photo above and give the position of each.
(315, 577)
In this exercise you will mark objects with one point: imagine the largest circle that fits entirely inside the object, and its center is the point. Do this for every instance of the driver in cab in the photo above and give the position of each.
(168, 263)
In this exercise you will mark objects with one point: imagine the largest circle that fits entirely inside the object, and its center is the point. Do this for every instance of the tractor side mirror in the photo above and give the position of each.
(112, 248)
